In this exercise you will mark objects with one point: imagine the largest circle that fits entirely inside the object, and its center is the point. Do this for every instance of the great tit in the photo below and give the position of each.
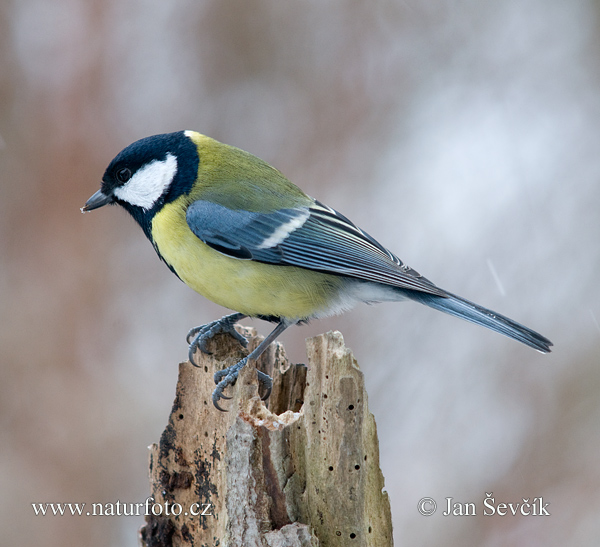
(238, 232)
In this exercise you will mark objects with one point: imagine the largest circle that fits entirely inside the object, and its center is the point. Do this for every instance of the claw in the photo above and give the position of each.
(224, 378)
(191, 352)
(198, 337)
(267, 382)
(228, 376)
(192, 334)
(216, 403)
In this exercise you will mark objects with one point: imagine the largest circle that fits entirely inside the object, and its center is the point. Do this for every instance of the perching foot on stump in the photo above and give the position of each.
(198, 337)
(227, 377)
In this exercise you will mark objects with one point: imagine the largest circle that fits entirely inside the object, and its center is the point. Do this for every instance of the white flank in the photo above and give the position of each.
(356, 291)
(148, 183)
(285, 230)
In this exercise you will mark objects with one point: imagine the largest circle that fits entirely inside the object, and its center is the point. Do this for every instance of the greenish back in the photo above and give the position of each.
(238, 180)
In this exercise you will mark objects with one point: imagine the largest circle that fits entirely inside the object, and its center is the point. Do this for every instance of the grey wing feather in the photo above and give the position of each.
(317, 238)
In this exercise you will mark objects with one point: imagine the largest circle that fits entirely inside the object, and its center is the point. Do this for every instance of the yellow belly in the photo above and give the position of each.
(245, 286)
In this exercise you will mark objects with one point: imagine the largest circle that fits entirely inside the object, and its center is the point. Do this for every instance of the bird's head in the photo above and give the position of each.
(147, 174)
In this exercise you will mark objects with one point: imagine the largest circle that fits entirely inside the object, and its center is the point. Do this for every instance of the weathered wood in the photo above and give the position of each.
(305, 473)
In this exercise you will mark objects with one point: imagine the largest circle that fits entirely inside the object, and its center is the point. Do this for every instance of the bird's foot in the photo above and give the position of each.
(198, 337)
(228, 376)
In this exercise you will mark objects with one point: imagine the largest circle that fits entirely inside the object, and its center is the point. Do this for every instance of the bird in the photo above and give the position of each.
(236, 230)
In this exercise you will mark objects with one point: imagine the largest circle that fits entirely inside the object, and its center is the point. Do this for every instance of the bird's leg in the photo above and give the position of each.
(199, 336)
(228, 376)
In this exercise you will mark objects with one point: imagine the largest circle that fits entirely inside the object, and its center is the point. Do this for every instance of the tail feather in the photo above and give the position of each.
(459, 307)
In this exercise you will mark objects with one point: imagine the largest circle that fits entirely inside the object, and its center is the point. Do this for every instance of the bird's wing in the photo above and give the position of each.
(315, 237)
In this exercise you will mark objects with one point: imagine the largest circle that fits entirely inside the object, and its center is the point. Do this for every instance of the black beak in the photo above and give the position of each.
(99, 199)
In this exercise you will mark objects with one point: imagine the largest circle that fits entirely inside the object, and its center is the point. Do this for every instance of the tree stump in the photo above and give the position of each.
(301, 470)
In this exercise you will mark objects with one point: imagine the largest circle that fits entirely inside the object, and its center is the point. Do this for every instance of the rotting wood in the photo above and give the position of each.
(305, 473)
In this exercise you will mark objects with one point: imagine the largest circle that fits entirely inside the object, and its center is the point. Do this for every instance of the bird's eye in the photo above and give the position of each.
(123, 175)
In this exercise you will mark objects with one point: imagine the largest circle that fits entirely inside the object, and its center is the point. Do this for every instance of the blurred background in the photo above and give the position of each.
(463, 135)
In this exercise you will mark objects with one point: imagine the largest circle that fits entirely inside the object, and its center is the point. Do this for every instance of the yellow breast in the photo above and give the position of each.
(245, 286)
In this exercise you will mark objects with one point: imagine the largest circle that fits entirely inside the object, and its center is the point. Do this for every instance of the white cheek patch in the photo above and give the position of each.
(284, 230)
(149, 183)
